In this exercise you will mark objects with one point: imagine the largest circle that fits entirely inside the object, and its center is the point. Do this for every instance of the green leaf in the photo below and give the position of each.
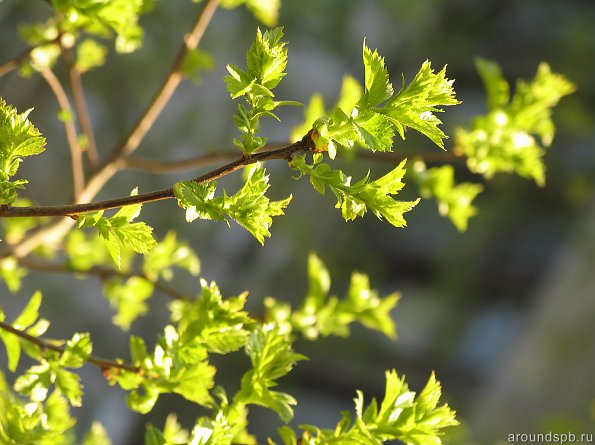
(137, 236)
(271, 357)
(143, 401)
(77, 351)
(30, 313)
(249, 207)
(400, 417)
(97, 435)
(103, 19)
(267, 58)
(266, 61)
(13, 349)
(454, 200)
(128, 297)
(220, 325)
(355, 199)
(375, 131)
(196, 62)
(267, 11)
(69, 384)
(18, 139)
(497, 88)
(506, 139)
(414, 106)
(89, 55)
(119, 232)
(378, 86)
(166, 255)
(324, 315)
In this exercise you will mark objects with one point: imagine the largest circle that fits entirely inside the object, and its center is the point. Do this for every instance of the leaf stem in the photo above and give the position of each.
(102, 363)
(73, 210)
(70, 129)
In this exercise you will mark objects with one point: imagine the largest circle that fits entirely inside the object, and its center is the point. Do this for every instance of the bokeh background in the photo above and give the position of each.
(504, 313)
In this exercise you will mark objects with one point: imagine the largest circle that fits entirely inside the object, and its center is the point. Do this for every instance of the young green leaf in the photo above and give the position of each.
(89, 55)
(249, 207)
(220, 325)
(18, 139)
(400, 417)
(378, 86)
(271, 357)
(128, 297)
(169, 253)
(505, 140)
(322, 314)
(267, 11)
(454, 200)
(414, 106)
(120, 232)
(265, 67)
(355, 199)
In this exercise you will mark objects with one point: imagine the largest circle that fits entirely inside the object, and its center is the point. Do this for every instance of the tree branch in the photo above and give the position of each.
(102, 363)
(102, 273)
(173, 79)
(80, 104)
(73, 210)
(70, 129)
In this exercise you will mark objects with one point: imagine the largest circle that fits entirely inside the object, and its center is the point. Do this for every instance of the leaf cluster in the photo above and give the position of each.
(513, 135)
(18, 138)
(455, 201)
(249, 207)
(322, 314)
(355, 199)
(400, 416)
(265, 68)
(119, 231)
(380, 112)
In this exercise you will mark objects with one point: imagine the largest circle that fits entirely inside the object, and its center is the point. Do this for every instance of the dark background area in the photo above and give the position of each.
(504, 313)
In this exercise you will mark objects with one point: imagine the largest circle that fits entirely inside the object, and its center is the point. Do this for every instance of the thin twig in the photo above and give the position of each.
(102, 273)
(102, 363)
(15, 62)
(73, 210)
(114, 163)
(173, 79)
(70, 129)
(80, 104)
(152, 166)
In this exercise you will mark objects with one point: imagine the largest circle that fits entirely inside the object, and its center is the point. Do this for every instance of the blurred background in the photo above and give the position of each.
(504, 313)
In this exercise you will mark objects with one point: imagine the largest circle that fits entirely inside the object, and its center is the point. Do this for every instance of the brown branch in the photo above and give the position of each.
(102, 273)
(73, 210)
(173, 79)
(70, 129)
(44, 344)
(80, 105)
